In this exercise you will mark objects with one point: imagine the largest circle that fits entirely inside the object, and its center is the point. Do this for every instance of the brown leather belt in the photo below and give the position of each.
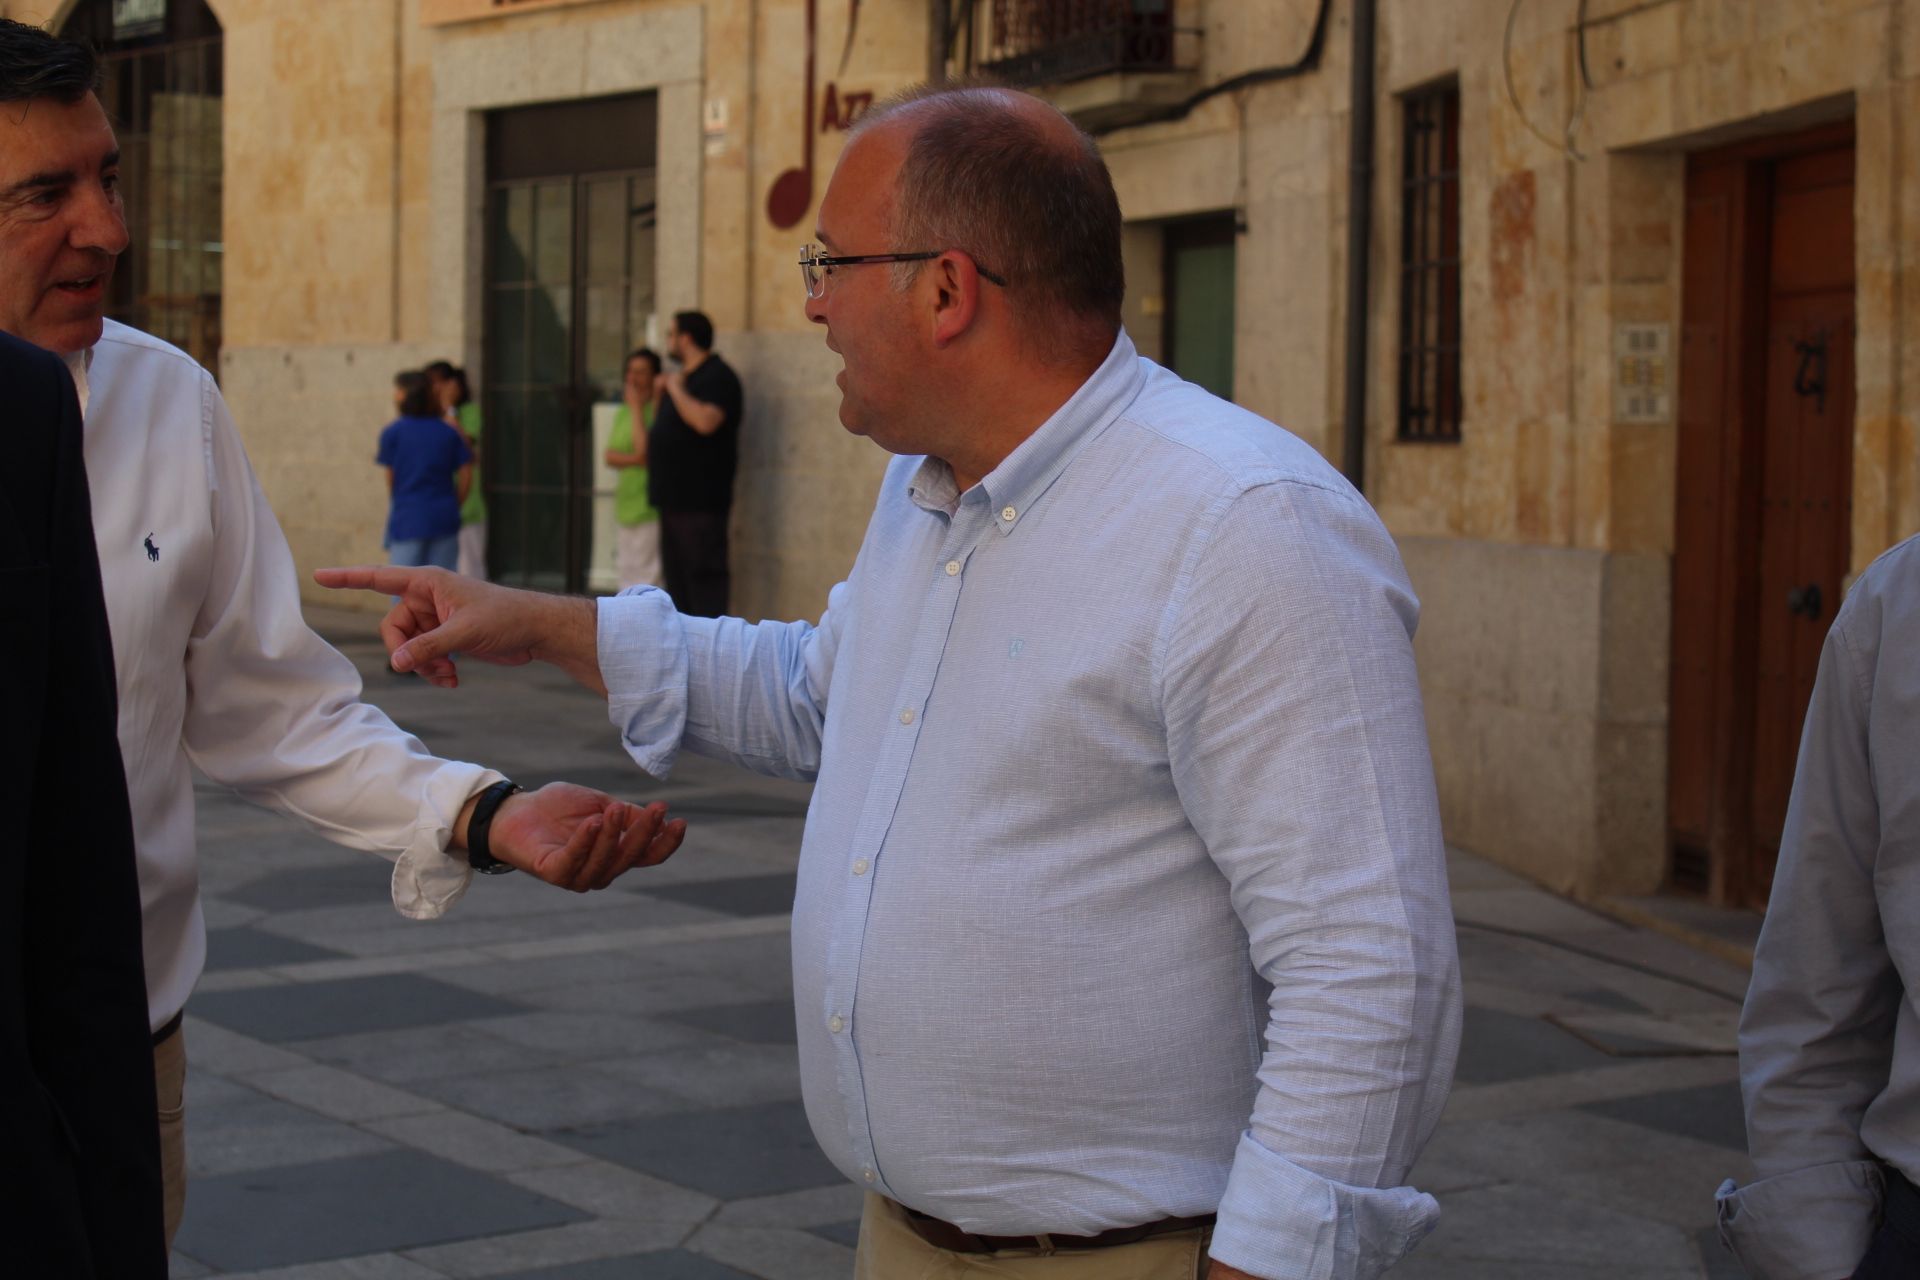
(944, 1235)
(169, 1029)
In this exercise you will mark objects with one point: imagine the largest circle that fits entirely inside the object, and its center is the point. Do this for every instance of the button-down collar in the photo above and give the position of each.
(1011, 488)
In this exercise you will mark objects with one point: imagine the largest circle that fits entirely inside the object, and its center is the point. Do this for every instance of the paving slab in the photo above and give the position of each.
(731, 1153)
(346, 1007)
(233, 1129)
(764, 1022)
(390, 1201)
(667, 1264)
(1710, 1113)
(1496, 1046)
(549, 1100)
(746, 896)
(245, 947)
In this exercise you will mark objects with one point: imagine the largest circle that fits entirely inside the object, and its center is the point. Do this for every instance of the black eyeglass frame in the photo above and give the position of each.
(811, 261)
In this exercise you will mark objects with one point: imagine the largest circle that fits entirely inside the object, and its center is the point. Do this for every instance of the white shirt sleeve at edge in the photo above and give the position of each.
(274, 712)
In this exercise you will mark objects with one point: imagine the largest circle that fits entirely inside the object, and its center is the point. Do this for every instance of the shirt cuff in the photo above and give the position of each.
(427, 879)
(643, 662)
(1282, 1222)
(1811, 1224)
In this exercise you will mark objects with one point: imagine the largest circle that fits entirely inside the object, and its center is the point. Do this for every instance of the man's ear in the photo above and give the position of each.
(956, 296)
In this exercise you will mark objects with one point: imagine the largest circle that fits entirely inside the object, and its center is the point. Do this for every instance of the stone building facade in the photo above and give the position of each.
(1630, 332)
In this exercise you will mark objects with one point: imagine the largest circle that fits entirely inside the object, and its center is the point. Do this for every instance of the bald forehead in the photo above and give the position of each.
(861, 191)
(1045, 120)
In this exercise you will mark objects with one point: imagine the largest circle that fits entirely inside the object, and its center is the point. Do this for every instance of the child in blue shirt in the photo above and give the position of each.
(429, 467)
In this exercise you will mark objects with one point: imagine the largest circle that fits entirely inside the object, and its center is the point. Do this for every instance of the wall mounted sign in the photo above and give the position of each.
(135, 18)
(792, 192)
(436, 13)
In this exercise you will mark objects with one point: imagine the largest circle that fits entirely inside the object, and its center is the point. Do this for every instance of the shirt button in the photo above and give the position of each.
(953, 567)
(1007, 514)
(836, 1024)
(906, 717)
(867, 1174)
(860, 866)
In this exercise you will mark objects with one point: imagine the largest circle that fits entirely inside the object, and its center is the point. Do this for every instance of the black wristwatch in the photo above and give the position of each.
(479, 855)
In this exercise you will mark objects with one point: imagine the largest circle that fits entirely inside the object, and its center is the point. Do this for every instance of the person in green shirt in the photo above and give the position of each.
(636, 548)
(457, 406)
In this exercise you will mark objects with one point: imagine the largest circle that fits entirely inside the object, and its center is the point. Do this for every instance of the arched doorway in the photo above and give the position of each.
(161, 85)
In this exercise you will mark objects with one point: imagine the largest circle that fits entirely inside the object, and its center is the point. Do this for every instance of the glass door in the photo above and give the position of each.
(569, 292)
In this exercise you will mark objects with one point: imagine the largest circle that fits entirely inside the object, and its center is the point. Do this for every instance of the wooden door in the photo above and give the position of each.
(1763, 494)
(1807, 474)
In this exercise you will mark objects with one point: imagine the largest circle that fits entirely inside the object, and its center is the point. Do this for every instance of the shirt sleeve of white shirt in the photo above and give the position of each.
(754, 694)
(274, 711)
(1817, 1031)
(1299, 748)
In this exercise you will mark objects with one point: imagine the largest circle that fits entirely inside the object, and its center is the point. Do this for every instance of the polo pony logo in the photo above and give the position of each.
(153, 550)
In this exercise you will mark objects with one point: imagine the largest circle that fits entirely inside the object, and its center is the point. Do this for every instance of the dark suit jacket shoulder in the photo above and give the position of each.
(80, 1188)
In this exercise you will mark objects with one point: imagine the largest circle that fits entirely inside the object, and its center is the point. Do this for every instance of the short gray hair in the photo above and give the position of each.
(983, 177)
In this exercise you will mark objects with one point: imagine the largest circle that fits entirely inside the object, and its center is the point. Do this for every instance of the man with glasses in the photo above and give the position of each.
(1122, 947)
(692, 451)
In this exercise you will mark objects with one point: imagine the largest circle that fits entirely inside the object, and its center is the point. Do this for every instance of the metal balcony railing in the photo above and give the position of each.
(1036, 42)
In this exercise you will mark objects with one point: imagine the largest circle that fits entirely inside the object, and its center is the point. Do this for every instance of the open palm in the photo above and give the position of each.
(579, 838)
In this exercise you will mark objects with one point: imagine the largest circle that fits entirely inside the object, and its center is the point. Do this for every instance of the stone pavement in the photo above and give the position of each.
(586, 1088)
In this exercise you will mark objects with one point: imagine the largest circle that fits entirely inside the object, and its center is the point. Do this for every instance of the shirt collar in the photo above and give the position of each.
(79, 364)
(1030, 469)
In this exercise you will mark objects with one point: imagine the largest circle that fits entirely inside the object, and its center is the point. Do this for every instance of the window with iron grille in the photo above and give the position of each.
(1430, 266)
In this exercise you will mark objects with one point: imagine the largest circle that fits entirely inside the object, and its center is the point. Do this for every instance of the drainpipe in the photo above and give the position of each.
(1353, 450)
(938, 39)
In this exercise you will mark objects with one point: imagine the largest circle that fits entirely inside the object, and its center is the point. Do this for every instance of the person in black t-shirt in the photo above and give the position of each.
(691, 453)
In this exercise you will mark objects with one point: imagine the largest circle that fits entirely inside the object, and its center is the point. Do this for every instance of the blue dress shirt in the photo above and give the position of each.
(1122, 893)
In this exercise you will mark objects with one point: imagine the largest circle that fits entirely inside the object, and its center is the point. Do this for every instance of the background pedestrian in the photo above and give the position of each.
(429, 470)
(636, 551)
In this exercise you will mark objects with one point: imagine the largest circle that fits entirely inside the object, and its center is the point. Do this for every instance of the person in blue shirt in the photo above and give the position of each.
(429, 468)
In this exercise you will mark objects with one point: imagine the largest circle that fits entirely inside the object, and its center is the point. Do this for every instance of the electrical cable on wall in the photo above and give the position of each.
(1565, 142)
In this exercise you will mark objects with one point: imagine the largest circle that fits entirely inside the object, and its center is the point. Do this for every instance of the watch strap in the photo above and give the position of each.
(480, 828)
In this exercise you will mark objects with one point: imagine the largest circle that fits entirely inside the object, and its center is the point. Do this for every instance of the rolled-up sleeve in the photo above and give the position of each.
(753, 694)
(274, 711)
(1817, 1032)
(1299, 748)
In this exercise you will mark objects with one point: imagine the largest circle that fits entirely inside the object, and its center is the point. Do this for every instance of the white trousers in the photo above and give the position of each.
(473, 550)
(636, 555)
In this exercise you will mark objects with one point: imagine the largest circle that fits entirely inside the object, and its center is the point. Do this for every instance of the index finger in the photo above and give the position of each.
(367, 577)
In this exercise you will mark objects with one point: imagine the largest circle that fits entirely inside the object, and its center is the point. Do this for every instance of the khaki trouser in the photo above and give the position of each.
(889, 1250)
(170, 1076)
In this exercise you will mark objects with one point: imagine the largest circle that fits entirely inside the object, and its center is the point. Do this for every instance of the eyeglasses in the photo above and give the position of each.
(814, 266)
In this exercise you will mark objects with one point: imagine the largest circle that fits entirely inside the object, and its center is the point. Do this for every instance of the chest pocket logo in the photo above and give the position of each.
(1014, 649)
(153, 549)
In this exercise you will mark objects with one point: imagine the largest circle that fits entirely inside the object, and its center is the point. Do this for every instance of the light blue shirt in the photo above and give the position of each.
(1122, 893)
(1830, 1036)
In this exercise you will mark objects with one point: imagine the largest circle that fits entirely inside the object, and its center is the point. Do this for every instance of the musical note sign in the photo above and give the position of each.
(792, 192)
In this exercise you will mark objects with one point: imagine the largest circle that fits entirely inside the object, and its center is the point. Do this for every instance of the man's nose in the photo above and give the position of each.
(102, 224)
(817, 308)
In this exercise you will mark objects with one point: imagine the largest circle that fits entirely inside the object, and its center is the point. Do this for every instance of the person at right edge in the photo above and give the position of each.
(1829, 1038)
(691, 454)
(80, 1185)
